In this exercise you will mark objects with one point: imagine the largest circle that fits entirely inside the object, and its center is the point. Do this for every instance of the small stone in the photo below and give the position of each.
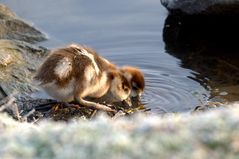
(5, 59)
(223, 93)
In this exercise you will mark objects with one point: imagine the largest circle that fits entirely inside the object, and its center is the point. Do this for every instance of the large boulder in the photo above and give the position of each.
(18, 57)
(18, 62)
(202, 6)
(206, 44)
(11, 27)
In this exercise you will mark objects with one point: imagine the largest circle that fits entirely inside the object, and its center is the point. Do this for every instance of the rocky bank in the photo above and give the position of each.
(19, 58)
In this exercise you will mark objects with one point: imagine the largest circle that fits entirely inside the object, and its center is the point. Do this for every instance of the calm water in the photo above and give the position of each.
(125, 32)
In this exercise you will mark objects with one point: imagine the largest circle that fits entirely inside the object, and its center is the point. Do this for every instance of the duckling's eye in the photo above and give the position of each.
(135, 87)
(125, 88)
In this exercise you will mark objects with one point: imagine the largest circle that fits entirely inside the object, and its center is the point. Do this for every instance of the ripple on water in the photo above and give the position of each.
(168, 88)
(167, 93)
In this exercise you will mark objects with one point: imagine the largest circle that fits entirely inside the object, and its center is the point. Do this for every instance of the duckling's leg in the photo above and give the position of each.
(82, 89)
(93, 105)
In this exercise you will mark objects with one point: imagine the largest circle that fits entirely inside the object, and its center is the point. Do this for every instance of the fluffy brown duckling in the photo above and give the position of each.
(133, 74)
(76, 72)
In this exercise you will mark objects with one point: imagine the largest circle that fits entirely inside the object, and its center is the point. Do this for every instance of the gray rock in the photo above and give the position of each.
(11, 27)
(19, 61)
(5, 11)
(202, 6)
(18, 57)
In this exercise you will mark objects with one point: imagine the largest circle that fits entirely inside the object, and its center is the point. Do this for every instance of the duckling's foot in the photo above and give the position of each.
(104, 108)
(72, 105)
(97, 107)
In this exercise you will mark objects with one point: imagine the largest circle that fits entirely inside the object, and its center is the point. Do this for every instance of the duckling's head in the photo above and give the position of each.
(120, 88)
(135, 78)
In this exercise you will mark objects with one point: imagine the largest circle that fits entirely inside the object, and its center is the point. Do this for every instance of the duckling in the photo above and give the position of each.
(133, 74)
(135, 78)
(76, 72)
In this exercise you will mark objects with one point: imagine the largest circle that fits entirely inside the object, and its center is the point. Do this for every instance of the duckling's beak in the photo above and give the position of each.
(133, 93)
(127, 102)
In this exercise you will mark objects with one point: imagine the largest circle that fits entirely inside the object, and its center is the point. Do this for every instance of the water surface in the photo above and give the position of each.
(125, 32)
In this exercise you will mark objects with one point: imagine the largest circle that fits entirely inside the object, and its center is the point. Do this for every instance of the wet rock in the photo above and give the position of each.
(206, 44)
(19, 61)
(11, 27)
(202, 6)
(208, 107)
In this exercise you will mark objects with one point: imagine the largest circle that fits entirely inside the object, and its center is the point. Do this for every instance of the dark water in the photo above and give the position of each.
(126, 32)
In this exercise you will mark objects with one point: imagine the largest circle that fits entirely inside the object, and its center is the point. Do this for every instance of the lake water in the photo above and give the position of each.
(127, 33)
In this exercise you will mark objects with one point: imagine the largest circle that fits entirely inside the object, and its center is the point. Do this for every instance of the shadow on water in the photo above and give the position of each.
(207, 44)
